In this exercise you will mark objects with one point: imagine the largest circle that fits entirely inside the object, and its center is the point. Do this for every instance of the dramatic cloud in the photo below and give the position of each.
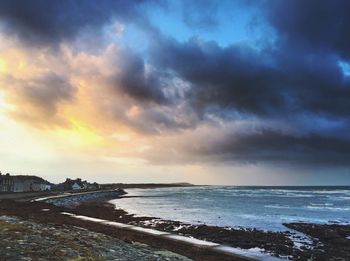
(237, 76)
(48, 22)
(257, 81)
(319, 26)
(300, 74)
(140, 88)
(137, 81)
(272, 146)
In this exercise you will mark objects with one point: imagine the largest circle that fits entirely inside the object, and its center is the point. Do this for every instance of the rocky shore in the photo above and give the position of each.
(301, 242)
(315, 242)
(51, 215)
(331, 241)
(28, 240)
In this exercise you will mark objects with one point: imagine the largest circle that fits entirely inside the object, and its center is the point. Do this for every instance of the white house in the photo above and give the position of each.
(76, 186)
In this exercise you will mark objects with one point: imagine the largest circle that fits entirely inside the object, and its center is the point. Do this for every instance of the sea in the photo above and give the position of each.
(265, 208)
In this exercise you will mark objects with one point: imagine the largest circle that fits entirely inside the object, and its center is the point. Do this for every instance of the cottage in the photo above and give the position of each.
(76, 186)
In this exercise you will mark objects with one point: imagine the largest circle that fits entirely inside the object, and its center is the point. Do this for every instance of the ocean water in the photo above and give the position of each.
(265, 208)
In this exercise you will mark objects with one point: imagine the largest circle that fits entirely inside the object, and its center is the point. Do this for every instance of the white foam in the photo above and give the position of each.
(321, 204)
(179, 227)
(280, 206)
(328, 208)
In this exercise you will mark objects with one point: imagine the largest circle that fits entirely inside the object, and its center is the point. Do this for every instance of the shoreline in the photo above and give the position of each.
(45, 213)
(327, 241)
(331, 243)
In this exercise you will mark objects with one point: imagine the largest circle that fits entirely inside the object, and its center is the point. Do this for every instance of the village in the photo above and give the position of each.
(27, 183)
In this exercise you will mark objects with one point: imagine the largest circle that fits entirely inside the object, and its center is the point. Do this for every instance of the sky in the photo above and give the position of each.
(209, 92)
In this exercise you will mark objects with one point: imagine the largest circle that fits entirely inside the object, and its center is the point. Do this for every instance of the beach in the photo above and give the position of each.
(37, 212)
(327, 241)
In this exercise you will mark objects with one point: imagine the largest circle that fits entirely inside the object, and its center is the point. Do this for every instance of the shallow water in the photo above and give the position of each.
(260, 207)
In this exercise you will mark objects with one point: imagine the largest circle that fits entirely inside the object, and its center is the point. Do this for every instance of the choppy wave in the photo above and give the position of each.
(263, 208)
(329, 208)
(280, 206)
(321, 204)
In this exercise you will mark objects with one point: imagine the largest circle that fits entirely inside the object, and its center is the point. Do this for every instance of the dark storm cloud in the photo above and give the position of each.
(319, 25)
(261, 82)
(136, 81)
(298, 74)
(313, 37)
(237, 76)
(42, 22)
(273, 146)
